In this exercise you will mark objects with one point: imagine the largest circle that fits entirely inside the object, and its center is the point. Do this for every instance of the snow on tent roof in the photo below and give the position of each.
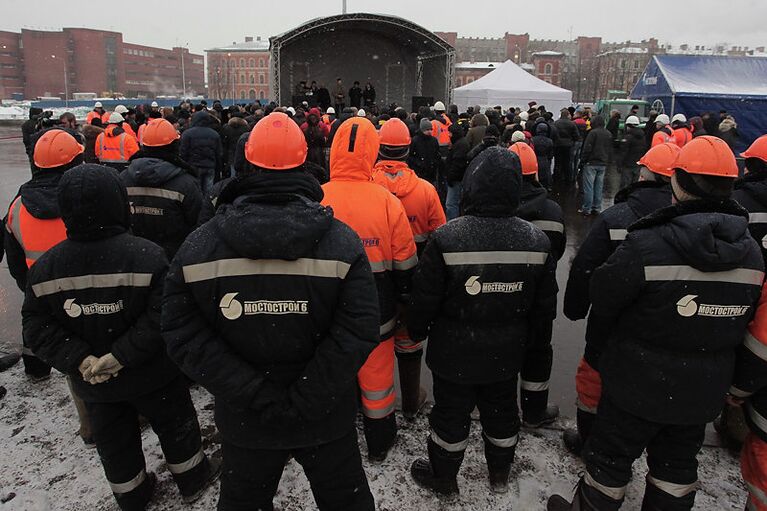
(510, 85)
(714, 75)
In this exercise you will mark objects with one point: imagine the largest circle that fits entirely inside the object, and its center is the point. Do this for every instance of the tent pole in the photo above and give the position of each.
(673, 104)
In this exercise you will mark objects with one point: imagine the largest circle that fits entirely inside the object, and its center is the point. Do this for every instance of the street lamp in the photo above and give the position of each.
(234, 77)
(66, 81)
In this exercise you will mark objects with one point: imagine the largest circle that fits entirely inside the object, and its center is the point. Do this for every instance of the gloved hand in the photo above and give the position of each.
(107, 365)
(86, 369)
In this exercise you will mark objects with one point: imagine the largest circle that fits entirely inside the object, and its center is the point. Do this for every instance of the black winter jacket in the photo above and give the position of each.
(201, 144)
(536, 207)
(567, 133)
(230, 135)
(544, 147)
(210, 203)
(635, 146)
(99, 291)
(165, 199)
(751, 193)
(598, 144)
(679, 293)
(486, 282)
(39, 196)
(607, 233)
(272, 307)
(424, 157)
(457, 157)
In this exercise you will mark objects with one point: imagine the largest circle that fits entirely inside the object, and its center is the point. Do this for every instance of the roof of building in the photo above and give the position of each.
(548, 53)
(478, 65)
(255, 45)
(630, 50)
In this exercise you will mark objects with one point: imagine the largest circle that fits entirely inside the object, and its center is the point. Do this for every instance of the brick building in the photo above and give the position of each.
(47, 63)
(549, 66)
(241, 70)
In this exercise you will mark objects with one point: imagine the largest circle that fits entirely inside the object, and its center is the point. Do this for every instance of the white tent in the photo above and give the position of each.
(510, 86)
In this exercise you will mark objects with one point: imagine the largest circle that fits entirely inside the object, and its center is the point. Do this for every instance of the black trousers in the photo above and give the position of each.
(450, 419)
(116, 429)
(562, 163)
(250, 477)
(618, 438)
(536, 373)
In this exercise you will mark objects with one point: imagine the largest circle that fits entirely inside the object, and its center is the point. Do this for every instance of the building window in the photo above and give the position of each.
(242, 94)
(623, 64)
(242, 62)
(636, 64)
(252, 94)
(226, 63)
(252, 79)
(260, 62)
(242, 79)
(548, 69)
(261, 79)
(252, 63)
(232, 63)
(262, 95)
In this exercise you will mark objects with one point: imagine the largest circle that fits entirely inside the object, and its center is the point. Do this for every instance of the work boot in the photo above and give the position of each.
(499, 460)
(586, 498)
(380, 435)
(573, 441)
(137, 500)
(35, 369)
(194, 483)
(656, 499)
(413, 396)
(439, 472)
(499, 480)
(8, 361)
(541, 418)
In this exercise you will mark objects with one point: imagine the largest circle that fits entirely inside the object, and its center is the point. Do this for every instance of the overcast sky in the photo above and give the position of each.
(215, 23)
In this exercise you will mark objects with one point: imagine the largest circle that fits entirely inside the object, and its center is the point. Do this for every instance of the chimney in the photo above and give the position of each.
(258, 38)
(760, 49)
(249, 39)
(684, 47)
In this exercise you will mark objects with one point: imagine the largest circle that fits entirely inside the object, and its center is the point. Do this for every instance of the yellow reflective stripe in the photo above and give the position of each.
(618, 234)
(407, 264)
(92, 282)
(481, 258)
(612, 492)
(757, 218)
(672, 273)
(533, 386)
(186, 466)
(243, 267)
(144, 191)
(548, 225)
(503, 443)
(128, 486)
(377, 395)
(755, 346)
(675, 489)
(377, 413)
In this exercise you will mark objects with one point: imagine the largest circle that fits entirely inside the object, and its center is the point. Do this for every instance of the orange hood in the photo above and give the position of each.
(396, 177)
(354, 151)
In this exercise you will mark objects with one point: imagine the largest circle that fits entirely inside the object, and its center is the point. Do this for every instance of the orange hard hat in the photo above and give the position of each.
(758, 149)
(708, 156)
(661, 159)
(56, 148)
(276, 143)
(527, 157)
(159, 133)
(394, 133)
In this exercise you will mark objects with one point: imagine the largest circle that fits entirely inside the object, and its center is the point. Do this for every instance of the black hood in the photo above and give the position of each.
(273, 215)
(93, 203)
(40, 194)
(493, 184)
(203, 120)
(755, 184)
(542, 129)
(708, 235)
(645, 197)
(533, 199)
(597, 122)
(152, 171)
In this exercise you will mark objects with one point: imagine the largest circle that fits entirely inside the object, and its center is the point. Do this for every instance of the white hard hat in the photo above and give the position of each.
(663, 119)
(524, 116)
(439, 106)
(679, 118)
(633, 120)
(361, 113)
(331, 110)
(120, 109)
(292, 110)
(116, 118)
(154, 104)
(98, 105)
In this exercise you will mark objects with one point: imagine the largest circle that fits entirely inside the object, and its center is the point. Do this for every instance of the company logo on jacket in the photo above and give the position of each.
(233, 309)
(145, 210)
(475, 287)
(687, 307)
(74, 310)
(371, 242)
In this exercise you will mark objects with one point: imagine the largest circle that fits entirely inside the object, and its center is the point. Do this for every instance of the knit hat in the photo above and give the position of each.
(425, 125)
(688, 186)
(518, 136)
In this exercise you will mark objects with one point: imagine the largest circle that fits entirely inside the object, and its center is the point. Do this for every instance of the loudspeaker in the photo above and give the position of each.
(419, 101)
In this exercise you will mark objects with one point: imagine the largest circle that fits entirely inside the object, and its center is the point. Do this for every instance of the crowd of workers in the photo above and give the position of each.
(286, 259)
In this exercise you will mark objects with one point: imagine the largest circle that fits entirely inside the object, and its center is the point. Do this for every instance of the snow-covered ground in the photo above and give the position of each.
(44, 463)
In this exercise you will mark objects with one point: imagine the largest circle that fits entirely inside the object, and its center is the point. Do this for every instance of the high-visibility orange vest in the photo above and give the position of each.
(35, 235)
(441, 131)
(117, 149)
(105, 118)
(661, 137)
(92, 115)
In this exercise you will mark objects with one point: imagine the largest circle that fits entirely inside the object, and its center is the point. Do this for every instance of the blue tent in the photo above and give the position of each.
(692, 85)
